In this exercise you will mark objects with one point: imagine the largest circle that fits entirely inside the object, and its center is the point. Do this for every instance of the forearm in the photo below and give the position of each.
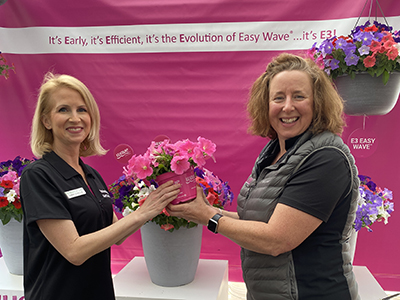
(116, 233)
(252, 235)
(63, 235)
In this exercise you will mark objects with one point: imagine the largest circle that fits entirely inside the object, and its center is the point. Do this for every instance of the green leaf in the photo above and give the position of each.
(385, 77)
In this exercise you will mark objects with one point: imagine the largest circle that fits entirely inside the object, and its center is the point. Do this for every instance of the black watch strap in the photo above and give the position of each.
(213, 223)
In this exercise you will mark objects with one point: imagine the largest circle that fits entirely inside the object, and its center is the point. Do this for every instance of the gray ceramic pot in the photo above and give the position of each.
(171, 257)
(367, 95)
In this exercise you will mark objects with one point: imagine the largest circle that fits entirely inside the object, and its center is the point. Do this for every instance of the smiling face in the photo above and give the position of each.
(68, 119)
(290, 103)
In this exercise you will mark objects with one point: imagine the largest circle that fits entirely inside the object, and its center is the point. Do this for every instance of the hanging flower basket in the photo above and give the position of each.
(365, 66)
(367, 95)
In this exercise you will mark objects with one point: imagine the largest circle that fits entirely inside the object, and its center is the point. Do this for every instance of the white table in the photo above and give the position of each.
(211, 282)
(368, 287)
(10, 285)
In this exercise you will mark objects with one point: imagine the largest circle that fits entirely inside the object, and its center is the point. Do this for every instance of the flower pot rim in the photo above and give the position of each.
(365, 72)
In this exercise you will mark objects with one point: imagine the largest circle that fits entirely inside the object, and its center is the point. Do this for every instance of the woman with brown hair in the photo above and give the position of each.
(295, 211)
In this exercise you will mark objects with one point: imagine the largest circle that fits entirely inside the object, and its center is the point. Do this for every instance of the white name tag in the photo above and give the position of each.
(75, 193)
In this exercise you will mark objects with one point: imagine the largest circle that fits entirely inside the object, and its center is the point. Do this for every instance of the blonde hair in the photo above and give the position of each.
(42, 138)
(328, 105)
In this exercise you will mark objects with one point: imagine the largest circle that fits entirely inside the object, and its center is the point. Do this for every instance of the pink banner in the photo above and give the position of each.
(162, 89)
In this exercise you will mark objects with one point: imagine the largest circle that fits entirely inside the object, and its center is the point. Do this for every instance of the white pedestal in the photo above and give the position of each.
(368, 287)
(11, 286)
(211, 282)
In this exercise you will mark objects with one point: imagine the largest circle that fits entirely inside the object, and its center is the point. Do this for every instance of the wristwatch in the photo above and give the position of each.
(213, 223)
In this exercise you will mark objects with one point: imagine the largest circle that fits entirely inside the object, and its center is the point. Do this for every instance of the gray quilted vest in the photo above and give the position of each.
(269, 277)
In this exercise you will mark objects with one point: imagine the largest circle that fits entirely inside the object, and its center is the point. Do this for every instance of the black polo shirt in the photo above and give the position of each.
(51, 189)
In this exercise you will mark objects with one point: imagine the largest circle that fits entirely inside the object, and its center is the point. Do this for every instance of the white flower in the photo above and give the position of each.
(11, 196)
(126, 211)
(145, 191)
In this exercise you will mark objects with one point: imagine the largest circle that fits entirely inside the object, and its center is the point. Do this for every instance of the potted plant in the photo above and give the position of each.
(11, 213)
(373, 205)
(4, 67)
(171, 245)
(365, 66)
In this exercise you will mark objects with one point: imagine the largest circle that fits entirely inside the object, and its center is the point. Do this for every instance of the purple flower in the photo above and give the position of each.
(334, 64)
(341, 43)
(351, 59)
(349, 48)
(363, 50)
(326, 47)
(364, 37)
(378, 36)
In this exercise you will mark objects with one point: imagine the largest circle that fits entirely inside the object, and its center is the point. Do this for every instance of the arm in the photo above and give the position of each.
(271, 238)
(306, 196)
(63, 235)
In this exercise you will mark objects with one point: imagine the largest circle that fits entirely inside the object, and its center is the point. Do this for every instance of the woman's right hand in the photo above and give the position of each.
(157, 200)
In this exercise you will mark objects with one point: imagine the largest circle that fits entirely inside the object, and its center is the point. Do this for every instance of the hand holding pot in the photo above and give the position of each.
(160, 198)
(199, 210)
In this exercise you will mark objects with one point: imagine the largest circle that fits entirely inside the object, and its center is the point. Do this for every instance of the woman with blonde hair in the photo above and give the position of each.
(69, 222)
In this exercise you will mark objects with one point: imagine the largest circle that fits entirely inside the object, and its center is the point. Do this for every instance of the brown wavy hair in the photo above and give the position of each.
(328, 105)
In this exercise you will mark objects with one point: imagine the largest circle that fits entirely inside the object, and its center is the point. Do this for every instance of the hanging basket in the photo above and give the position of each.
(11, 246)
(171, 257)
(367, 95)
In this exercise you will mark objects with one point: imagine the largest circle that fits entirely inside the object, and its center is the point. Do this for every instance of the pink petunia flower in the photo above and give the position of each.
(375, 46)
(167, 226)
(206, 146)
(186, 147)
(180, 164)
(369, 61)
(392, 53)
(198, 157)
(142, 167)
(10, 176)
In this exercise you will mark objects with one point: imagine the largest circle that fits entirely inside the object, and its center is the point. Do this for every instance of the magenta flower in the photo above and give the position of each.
(187, 147)
(198, 157)
(180, 164)
(142, 167)
(206, 146)
(11, 176)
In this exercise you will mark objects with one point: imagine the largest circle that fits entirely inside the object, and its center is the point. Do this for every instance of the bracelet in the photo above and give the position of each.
(220, 211)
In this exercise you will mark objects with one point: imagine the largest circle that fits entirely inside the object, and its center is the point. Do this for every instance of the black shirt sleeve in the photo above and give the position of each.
(41, 198)
(319, 184)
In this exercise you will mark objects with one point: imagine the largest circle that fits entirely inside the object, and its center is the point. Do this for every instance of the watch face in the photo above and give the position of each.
(212, 225)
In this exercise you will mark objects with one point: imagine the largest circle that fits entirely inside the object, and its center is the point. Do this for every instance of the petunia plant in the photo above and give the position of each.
(10, 173)
(163, 157)
(138, 179)
(374, 204)
(368, 48)
(4, 67)
(129, 196)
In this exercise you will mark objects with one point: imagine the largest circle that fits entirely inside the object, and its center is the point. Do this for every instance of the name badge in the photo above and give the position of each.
(75, 193)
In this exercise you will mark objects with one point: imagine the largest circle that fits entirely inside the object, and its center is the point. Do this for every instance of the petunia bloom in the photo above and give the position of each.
(142, 167)
(351, 59)
(180, 164)
(369, 61)
(392, 53)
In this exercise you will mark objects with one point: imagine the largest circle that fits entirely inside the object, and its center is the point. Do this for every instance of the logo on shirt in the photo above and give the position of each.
(105, 193)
